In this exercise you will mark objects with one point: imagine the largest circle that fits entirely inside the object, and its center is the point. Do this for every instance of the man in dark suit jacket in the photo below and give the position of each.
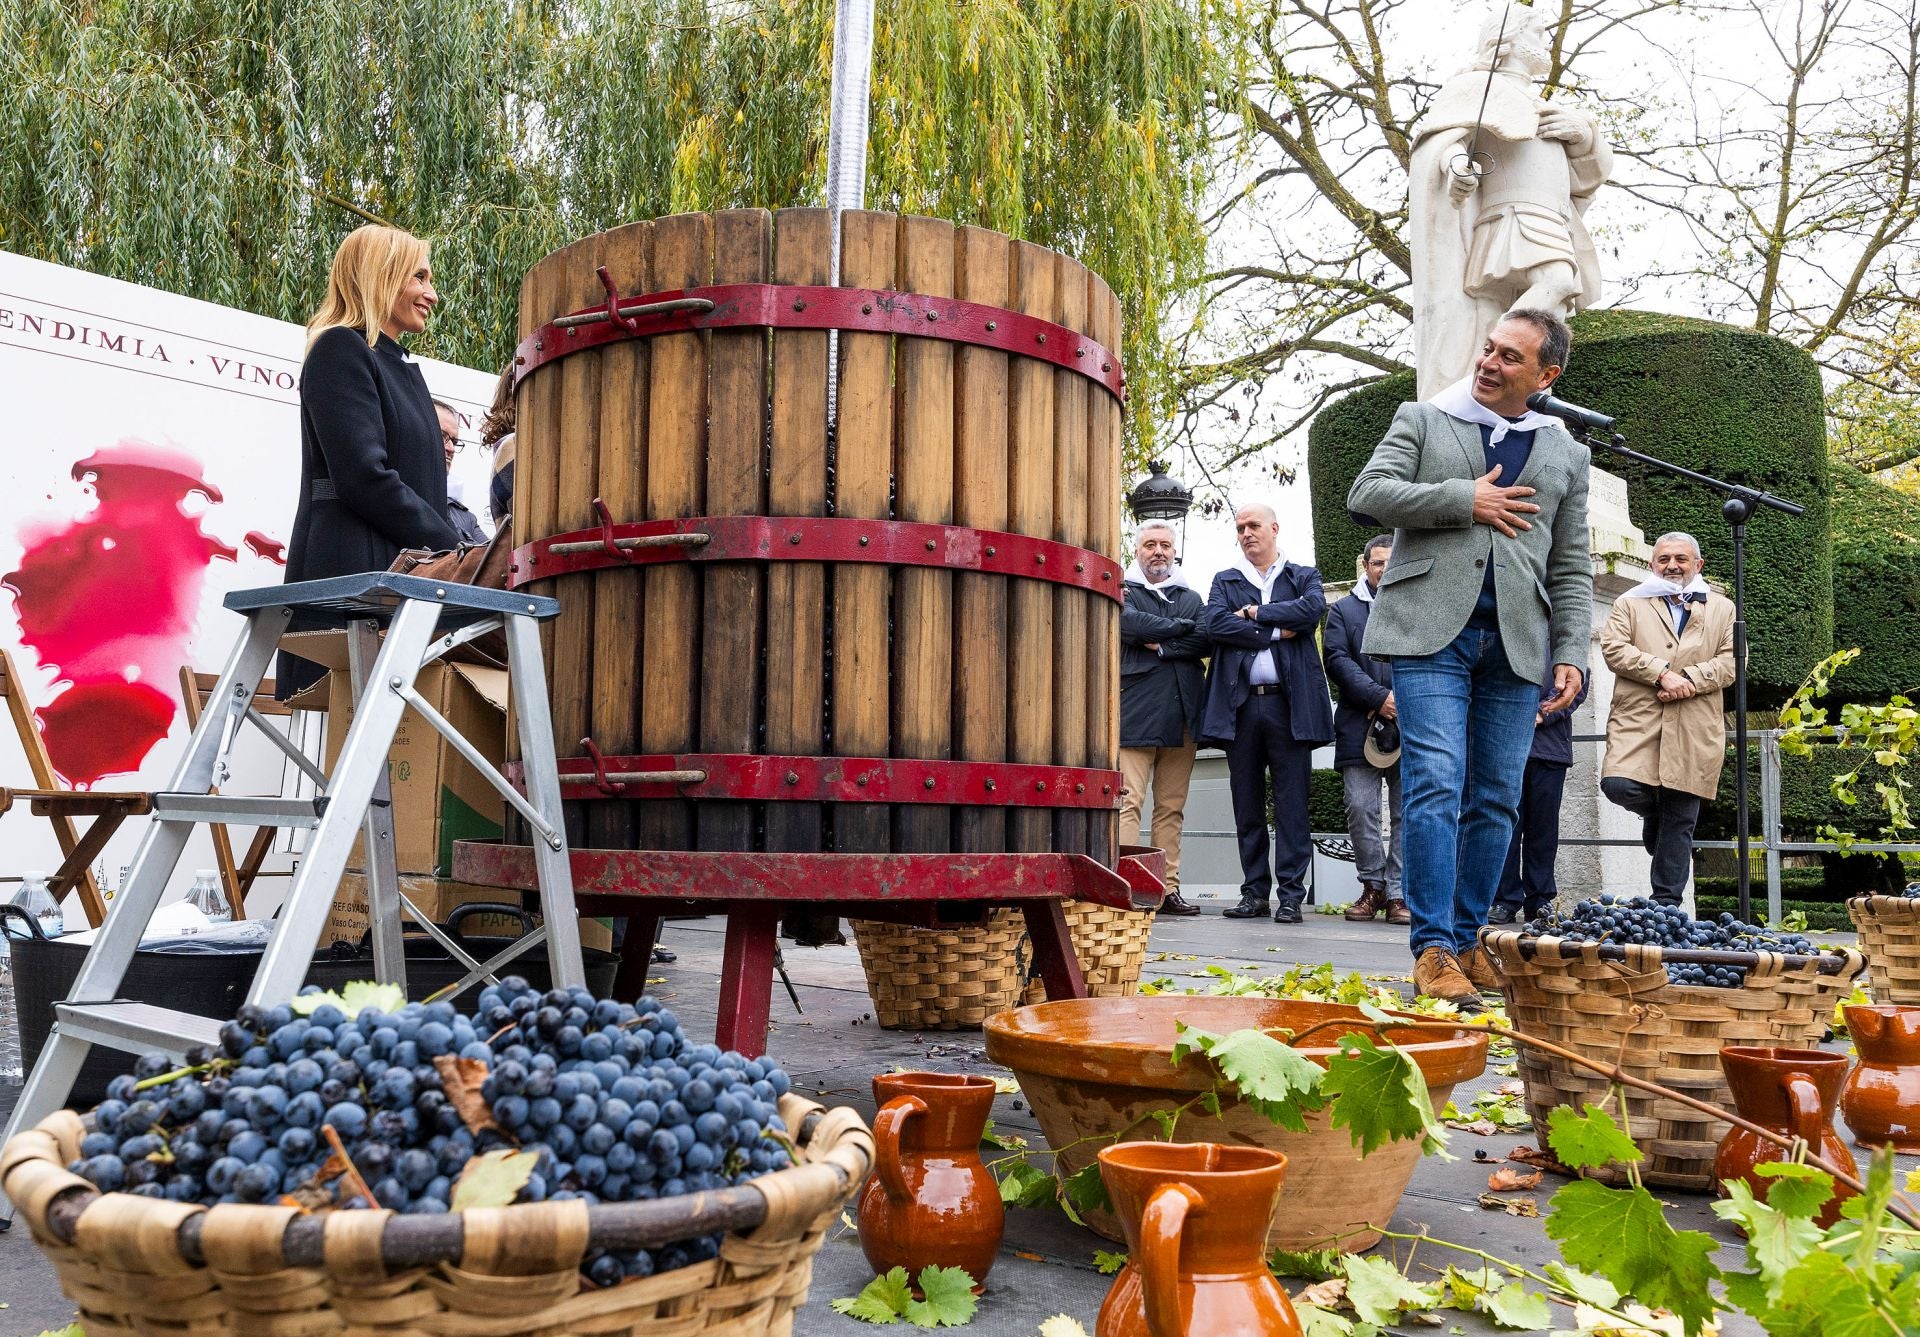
(1267, 707)
(1162, 686)
(1365, 685)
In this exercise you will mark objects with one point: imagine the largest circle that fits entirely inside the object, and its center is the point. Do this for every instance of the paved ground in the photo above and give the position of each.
(1047, 1266)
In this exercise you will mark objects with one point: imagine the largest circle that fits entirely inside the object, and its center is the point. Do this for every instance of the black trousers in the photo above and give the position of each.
(1526, 883)
(1667, 818)
(1263, 745)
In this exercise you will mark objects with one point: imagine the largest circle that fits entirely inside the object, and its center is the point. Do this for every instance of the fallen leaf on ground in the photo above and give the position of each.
(1505, 1180)
(1525, 1155)
(1511, 1206)
(1327, 1294)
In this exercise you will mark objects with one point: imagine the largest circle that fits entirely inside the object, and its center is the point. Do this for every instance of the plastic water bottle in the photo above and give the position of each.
(10, 1061)
(206, 898)
(36, 900)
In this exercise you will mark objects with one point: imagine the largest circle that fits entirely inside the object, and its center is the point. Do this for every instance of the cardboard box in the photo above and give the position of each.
(438, 797)
(348, 920)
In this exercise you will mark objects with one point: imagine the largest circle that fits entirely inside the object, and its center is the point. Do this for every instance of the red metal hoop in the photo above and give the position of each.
(762, 538)
(809, 307)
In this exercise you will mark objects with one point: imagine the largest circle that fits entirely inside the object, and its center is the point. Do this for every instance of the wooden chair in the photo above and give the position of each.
(236, 878)
(60, 806)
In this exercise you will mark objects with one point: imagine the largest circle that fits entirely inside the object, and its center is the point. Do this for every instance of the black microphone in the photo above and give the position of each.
(1542, 402)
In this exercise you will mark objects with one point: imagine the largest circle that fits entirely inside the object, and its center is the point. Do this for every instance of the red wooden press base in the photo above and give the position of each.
(754, 890)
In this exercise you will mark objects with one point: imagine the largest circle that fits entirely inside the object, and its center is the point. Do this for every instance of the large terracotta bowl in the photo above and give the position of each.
(1096, 1067)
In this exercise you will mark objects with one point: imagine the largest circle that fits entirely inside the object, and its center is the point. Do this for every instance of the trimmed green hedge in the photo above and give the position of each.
(1876, 587)
(1726, 401)
(1326, 802)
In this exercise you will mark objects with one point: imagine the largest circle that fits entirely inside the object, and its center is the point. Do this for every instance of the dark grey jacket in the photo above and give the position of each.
(1161, 694)
(1361, 681)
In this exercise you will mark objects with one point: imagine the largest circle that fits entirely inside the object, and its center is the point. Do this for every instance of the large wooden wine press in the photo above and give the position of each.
(866, 654)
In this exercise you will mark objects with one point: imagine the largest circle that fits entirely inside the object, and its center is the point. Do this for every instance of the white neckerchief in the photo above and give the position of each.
(1253, 577)
(1176, 579)
(1363, 592)
(1457, 401)
(1654, 587)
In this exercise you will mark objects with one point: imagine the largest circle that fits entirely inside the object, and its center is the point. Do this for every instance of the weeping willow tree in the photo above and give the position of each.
(220, 148)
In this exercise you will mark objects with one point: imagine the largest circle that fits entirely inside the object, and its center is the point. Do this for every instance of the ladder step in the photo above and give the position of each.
(137, 1027)
(239, 810)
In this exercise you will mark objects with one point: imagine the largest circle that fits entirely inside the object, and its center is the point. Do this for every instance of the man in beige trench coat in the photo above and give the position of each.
(1669, 641)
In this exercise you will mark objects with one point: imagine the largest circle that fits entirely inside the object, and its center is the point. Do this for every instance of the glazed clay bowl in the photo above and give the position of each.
(1096, 1067)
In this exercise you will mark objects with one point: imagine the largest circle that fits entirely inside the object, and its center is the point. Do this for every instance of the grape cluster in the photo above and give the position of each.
(1645, 922)
(610, 1099)
(620, 1108)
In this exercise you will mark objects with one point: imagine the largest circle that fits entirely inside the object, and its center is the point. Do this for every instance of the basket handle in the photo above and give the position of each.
(1160, 1229)
(1803, 1100)
(886, 1138)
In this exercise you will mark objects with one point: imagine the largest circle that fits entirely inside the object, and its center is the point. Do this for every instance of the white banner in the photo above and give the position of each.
(152, 467)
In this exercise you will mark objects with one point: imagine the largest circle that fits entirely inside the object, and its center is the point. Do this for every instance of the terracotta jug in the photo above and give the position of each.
(931, 1199)
(1794, 1092)
(1196, 1216)
(1881, 1101)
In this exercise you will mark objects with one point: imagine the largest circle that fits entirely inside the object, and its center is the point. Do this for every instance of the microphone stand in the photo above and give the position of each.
(1738, 506)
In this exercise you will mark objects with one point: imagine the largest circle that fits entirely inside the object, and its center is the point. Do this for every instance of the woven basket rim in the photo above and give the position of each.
(1852, 960)
(836, 1141)
(1877, 904)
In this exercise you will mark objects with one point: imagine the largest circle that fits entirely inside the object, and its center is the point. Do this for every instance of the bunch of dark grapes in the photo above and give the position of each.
(620, 1108)
(1648, 923)
(609, 1097)
(246, 1123)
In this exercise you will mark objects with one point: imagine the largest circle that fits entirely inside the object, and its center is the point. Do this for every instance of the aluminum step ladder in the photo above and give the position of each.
(424, 619)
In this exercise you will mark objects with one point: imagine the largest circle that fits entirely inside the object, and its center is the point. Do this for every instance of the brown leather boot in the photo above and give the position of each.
(1477, 963)
(1173, 903)
(1398, 913)
(1373, 899)
(1437, 974)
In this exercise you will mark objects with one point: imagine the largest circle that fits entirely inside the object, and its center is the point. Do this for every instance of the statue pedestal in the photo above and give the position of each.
(1621, 560)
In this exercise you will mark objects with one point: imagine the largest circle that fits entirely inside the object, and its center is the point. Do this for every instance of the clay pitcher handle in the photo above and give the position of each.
(1803, 1099)
(886, 1143)
(1160, 1228)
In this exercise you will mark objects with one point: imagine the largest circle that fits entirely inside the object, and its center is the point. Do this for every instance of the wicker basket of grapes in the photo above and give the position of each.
(557, 1165)
(1889, 928)
(1633, 983)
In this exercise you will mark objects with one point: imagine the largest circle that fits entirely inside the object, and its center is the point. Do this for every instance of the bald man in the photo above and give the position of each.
(1267, 707)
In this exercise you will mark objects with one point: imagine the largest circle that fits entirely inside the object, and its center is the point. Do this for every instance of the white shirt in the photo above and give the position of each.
(1263, 673)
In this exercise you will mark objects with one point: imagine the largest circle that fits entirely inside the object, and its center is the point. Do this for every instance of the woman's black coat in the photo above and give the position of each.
(373, 473)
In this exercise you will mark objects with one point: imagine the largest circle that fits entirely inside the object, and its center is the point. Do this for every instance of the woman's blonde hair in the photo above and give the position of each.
(369, 269)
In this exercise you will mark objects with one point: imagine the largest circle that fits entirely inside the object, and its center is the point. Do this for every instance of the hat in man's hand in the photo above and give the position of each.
(1383, 742)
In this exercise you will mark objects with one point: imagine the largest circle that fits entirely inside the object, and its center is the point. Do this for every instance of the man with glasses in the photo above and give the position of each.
(464, 522)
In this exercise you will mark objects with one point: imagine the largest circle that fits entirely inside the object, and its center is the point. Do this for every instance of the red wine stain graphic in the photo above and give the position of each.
(108, 599)
(261, 545)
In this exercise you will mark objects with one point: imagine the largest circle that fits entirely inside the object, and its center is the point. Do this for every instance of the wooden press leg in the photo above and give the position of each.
(746, 978)
(636, 954)
(1053, 955)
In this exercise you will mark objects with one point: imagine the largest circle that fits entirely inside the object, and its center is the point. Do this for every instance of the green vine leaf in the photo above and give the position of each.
(1380, 1095)
(1797, 1190)
(1086, 1190)
(1515, 1306)
(1026, 1185)
(949, 1302)
(1776, 1241)
(1380, 1294)
(1583, 1286)
(493, 1180)
(1318, 1322)
(353, 999)
(1584, 1141)
(883, 1300)
(1277, 1080)
(1621, 1235)
(1823, 1297)
(1108, 1263)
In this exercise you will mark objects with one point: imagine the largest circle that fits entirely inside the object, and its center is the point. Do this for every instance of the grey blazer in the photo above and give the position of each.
(1419, 483)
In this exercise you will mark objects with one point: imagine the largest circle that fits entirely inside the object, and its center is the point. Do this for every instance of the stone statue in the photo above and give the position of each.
(1497, 197)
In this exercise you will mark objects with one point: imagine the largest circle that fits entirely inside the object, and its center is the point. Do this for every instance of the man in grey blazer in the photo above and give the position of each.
(1487, 595)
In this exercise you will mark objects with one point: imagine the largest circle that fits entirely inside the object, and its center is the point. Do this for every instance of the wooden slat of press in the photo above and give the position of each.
(533, 448)
(578, 484)
(863, 462)
(558, 281)
(676, 466)
(797, 485)
(980, 501)
(1103, 638)
(731, 627)
(923, 596)
(618, 647)
(1030, 407)
(1070, 525)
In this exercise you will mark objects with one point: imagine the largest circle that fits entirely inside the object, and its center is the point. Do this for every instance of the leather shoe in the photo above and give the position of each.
(1501, 914)
(1373, 899)
(1286, 913)
(1398, 913)
(1476, 963)
(1173, 903)
(1437, 974)
(1250, 907)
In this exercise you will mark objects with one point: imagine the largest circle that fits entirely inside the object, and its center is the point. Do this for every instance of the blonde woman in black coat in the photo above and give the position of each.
(373, 478)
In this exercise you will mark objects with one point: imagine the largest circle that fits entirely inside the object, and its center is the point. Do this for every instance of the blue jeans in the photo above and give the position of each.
(1466, 726)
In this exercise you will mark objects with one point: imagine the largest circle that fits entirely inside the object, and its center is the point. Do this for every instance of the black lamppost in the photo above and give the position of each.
(1159, 497)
